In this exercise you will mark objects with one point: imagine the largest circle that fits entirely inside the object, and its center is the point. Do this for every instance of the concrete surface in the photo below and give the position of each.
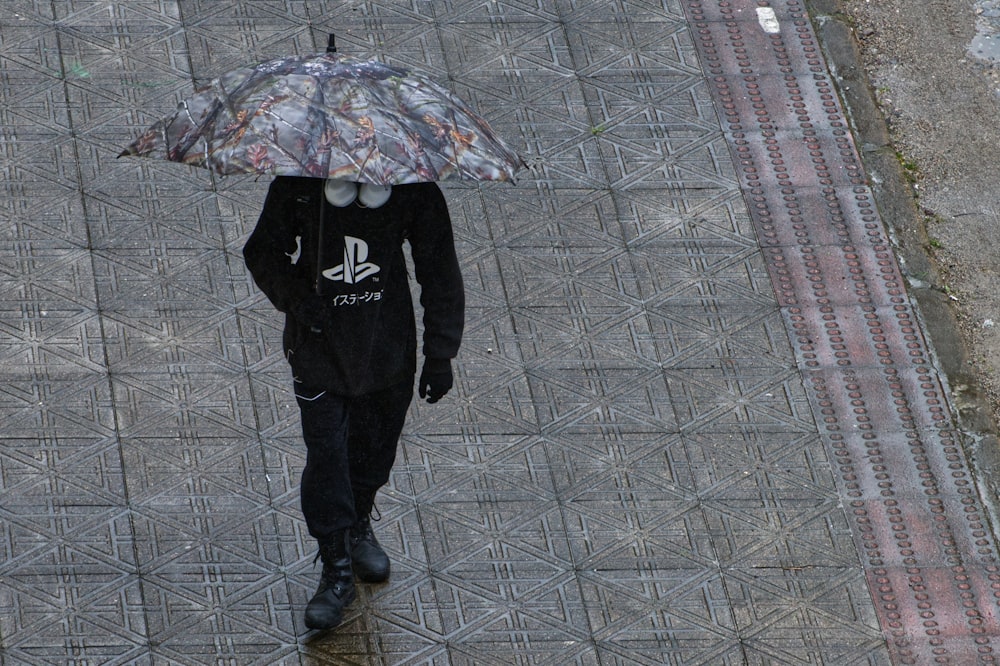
(696, 419)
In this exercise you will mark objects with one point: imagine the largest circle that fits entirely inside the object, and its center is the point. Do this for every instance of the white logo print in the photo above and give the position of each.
(356, 266)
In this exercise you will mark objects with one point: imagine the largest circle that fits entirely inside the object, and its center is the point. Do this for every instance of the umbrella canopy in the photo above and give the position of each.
(330, 116)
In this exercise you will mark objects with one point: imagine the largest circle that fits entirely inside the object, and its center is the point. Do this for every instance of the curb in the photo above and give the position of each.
(897, 205)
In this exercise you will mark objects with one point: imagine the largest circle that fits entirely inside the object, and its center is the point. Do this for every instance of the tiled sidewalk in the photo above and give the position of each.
(651, 456)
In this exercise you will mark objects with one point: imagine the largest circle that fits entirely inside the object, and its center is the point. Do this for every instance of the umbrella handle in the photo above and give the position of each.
(319, 246)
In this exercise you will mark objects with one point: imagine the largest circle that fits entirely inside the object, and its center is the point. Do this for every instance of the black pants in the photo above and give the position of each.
(350, 449)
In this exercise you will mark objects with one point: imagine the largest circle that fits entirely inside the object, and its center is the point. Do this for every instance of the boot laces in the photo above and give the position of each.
(362, 531)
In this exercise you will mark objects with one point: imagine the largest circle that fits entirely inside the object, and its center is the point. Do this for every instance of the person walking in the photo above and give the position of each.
(329, 254)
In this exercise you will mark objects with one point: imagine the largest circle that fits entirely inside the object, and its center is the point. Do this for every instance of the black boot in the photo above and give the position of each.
(371, 564)
(336, 585)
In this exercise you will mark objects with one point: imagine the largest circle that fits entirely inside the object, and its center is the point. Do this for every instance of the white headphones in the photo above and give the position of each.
(342, 193)
(373, 196)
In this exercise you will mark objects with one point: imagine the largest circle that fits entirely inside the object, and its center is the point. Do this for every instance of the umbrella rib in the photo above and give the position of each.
(261, 111)
(449, 116)
(374, 152)
(325, 118)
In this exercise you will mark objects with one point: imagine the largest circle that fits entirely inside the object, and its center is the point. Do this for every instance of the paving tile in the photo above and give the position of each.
(618, 11)
(106, 624)
(657, 450)
(183, 402)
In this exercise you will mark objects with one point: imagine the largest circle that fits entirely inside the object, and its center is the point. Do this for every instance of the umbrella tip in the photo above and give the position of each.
(331, 44)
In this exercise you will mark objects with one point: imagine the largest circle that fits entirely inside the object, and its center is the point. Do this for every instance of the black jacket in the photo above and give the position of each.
(371, 341)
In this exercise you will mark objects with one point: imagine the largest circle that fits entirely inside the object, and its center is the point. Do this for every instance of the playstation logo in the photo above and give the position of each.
(356, 266)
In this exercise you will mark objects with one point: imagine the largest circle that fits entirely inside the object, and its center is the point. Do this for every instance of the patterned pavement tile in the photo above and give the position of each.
(649, 456)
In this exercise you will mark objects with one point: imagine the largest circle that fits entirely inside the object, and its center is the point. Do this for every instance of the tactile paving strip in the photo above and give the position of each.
(920, 529)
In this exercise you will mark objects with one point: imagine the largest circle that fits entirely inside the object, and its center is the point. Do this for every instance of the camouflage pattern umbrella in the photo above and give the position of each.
(330, 116)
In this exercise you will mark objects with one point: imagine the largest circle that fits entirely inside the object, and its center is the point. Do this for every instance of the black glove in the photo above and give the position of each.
(313, 312)
(436, 379)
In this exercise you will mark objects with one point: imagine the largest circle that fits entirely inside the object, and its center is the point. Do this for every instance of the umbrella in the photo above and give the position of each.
(330, 116)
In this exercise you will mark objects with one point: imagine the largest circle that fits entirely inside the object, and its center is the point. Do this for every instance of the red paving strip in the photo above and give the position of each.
(920, 529)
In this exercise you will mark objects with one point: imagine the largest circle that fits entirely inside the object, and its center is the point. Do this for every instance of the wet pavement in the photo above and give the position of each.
(696, 420)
